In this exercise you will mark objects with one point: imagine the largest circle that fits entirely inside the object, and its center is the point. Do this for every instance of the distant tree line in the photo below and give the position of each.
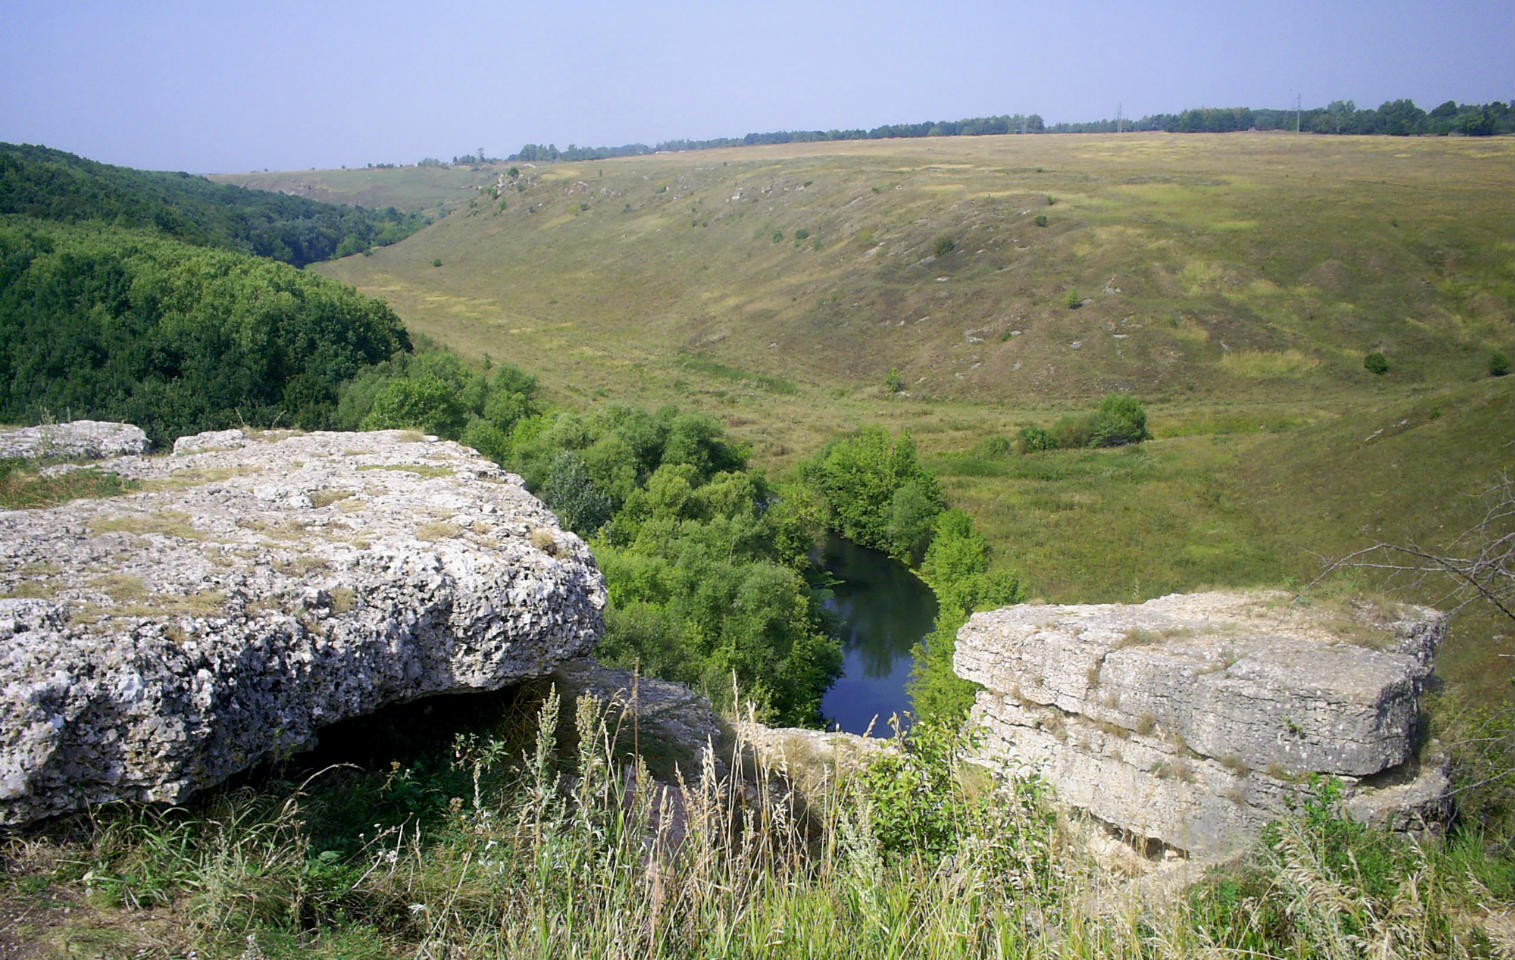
(971, 127)
(1395, 118)
(53, 185)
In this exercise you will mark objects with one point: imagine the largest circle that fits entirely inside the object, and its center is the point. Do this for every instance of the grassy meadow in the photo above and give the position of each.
(1233, 283)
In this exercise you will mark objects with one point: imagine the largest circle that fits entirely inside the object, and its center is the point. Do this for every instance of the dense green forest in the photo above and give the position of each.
(708, 571)
(118, 324)
(53, 185)
(707, 568)
(1394, 118)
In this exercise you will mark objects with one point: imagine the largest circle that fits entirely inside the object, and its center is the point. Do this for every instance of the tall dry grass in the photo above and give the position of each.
(549, 851)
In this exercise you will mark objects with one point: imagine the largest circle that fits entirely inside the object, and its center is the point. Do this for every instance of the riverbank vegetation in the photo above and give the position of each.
(706, 565)
(873, 490)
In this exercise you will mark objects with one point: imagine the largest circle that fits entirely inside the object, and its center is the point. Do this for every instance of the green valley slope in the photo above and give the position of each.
(1234, 283)
(1212, 265)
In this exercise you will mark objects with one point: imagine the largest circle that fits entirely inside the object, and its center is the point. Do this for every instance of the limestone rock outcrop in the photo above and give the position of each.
(77, 440)
(1196, 719)
(252, 589)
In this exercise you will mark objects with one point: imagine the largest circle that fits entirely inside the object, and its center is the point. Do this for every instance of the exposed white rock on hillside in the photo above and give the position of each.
(258, 589)
(1195, 719)
(77, 440)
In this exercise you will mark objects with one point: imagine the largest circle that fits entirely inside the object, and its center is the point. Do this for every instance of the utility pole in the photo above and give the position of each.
(1119, 123)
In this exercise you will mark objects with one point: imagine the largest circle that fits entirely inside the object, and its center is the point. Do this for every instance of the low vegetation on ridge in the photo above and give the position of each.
(45, 184)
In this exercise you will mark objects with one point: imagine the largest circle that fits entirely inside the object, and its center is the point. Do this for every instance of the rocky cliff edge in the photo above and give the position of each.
(252, 589)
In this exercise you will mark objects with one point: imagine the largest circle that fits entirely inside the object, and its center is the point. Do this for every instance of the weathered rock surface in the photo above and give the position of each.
(672, 724)
(155, 643)
(78, 440)
(1195, 719)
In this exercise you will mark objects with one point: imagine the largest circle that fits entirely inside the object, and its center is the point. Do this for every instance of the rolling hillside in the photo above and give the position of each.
(1233, 283)
(1202, 265)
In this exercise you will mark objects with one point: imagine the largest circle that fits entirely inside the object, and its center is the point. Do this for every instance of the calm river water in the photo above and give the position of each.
(882, 611)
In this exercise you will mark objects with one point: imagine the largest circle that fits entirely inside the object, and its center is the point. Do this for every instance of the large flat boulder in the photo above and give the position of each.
(254, 589)
(75, 440)
(1197, 719)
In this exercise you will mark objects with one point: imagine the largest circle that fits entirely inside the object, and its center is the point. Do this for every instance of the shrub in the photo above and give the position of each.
(437, 262)
(1033, 440)
(916, 804)
(894, 383)
(573, 495)
(1075, 299)
(801, 233)
(856, 480)
(428, 402)
(1499, 364)
(1376, 363)
(994, 446)
(912, 515)
(1119, 420)
(1041, 220)
(778, 236)
(1073, 431)
(944, 246)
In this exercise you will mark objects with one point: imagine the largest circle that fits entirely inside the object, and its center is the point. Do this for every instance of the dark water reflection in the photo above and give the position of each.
(881, 610)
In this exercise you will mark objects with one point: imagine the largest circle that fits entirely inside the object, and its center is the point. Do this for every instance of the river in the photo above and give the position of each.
(881, 609)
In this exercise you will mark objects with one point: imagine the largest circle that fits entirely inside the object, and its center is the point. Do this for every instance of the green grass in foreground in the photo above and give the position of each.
(533, 846)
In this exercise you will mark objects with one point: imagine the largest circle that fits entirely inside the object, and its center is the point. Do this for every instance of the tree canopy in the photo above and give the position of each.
(122, 325)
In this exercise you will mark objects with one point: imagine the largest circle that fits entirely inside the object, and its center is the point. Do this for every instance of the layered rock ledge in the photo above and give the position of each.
(254, 589)
(1196, 719)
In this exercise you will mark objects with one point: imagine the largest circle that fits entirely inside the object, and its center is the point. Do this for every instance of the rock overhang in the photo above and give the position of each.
(254, 588)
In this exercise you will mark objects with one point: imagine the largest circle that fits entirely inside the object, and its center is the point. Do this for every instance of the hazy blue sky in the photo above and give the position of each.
(212, 86)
